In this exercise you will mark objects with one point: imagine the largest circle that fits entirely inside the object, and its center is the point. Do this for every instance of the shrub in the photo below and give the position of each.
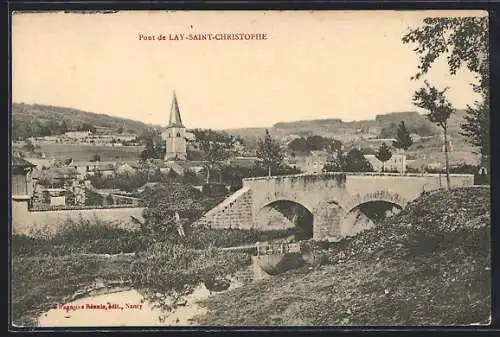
(83, 236)
(214, 190)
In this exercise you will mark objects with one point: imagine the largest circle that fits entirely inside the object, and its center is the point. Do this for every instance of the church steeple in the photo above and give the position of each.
(175, 115)
(175, 134)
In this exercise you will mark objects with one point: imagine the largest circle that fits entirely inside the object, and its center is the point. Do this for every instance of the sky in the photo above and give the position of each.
(313, 65)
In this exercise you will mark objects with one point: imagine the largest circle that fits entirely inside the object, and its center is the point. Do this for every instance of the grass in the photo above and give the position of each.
(409, 271)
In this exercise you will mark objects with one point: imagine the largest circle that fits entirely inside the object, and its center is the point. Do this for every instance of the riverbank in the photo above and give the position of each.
(40, 283)
(429, 265)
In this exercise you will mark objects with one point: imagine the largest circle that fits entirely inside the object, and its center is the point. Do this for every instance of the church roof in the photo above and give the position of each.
(175, 115)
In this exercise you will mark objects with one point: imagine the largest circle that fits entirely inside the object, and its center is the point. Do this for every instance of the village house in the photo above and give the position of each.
(21, 177)
(56, 176)
(77, 135)
(312, 163)
(104, 170)
(397, 163)
(127, 168)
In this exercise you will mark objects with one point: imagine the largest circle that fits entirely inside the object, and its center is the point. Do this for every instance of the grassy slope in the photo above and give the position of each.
(427, 266)
(23, 113)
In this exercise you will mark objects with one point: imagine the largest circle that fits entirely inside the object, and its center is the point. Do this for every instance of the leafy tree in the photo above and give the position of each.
(154, 145)
(477, 128)
(96, 158)
(317, 143)
(270, 153)
(333, 146)
(439, 111)
(353, 161)
(383, 154)
(148, 167)
(88, 127)
(217, 147)
(298, 145)
(63, 127)
(403, 140)
(465, 42)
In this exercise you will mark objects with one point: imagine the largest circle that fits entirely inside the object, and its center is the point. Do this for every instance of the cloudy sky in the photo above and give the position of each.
(348, 65)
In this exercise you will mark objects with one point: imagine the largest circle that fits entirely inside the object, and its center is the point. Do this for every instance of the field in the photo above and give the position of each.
(83, 152)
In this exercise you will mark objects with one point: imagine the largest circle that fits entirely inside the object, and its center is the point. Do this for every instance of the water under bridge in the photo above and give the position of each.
(323, 206)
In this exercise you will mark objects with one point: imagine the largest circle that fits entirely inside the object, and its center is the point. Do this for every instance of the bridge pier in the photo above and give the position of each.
(327, 216)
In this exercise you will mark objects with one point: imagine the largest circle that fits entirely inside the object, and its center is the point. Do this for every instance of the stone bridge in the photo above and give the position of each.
(325, 206)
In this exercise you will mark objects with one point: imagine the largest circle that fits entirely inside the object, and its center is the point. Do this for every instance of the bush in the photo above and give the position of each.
(214, 190)
(93, 199)
(82, 236)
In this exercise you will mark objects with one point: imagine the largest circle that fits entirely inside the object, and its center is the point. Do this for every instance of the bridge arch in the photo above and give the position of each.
(383, 195)
(365, 211)
(283, 213)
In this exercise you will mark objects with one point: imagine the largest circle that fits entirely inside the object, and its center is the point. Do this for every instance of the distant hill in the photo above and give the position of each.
(382, 126)
(39, 120)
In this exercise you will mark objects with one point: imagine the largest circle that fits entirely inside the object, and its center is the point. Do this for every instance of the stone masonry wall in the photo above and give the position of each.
(25, 221)
(235, 214)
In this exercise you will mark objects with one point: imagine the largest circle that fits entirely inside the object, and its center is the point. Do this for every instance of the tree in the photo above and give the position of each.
(96, 158)
(269, 153)
(439, 111)
(477, 129)
(154, 145)
(317, 143)
(217, 148)
(147, 166)
(353, 161)
(88, 127)
(298, 145)
(403, 141)
(383, 154)
(465, 42)
(333, 146)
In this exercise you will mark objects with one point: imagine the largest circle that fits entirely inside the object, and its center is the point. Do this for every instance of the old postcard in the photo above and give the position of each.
(250, 168)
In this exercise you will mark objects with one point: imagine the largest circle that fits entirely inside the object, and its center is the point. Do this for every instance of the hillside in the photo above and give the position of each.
(35, 119)
(429, 265)
(382, 126)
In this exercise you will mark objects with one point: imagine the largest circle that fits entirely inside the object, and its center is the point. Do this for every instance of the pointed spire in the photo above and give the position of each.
(175, 115)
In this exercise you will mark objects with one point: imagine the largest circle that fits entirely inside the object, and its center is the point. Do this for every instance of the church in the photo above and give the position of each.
(175, 135)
